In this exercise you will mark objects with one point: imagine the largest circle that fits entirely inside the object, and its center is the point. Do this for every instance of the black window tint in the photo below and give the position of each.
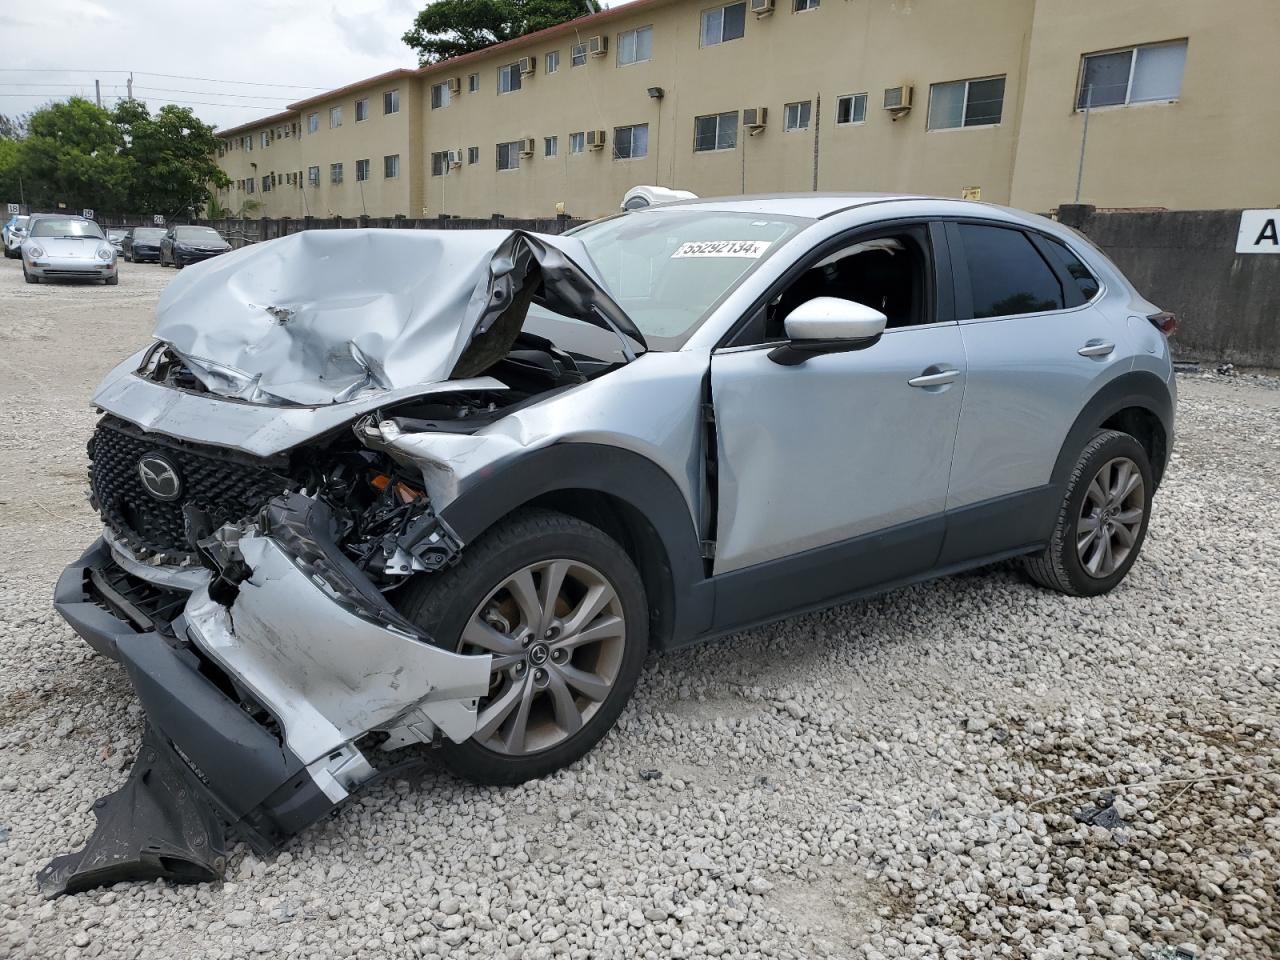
(1006, 273)
(1084, 280)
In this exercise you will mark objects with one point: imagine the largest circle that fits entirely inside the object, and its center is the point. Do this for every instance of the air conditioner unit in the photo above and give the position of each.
(754, 118)
(527, 146)
(454, 158)
(596, 139)
(526, 66)
(897, 100)
(598, 46)
(455, 86)
(762, 8)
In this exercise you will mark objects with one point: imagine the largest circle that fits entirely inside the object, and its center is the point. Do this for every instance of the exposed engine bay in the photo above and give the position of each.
(248, 585)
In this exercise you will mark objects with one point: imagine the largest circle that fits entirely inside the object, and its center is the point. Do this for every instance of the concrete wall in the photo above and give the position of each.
(1228, 305)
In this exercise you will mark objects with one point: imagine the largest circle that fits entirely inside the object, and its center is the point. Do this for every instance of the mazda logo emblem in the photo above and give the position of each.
(159, 477)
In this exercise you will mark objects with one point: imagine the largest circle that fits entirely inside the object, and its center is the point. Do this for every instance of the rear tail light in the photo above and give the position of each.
(1165, 322)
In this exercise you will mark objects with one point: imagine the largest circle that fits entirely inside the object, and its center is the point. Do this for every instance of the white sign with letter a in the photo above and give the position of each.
(1259, 232)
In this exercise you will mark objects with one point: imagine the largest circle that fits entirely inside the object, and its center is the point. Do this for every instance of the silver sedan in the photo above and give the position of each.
(67, 246)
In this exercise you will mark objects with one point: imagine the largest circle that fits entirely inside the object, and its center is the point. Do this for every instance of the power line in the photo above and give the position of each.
(167, 76)
(186, 103)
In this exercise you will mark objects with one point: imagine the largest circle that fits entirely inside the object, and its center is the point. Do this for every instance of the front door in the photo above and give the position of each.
(832, 475)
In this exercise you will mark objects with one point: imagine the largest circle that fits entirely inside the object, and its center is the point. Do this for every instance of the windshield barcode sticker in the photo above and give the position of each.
(752, 249)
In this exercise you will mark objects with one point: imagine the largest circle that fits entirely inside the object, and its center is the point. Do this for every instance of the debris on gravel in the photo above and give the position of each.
(893, 778)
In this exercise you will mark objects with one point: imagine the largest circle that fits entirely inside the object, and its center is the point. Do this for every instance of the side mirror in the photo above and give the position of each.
(828, 325)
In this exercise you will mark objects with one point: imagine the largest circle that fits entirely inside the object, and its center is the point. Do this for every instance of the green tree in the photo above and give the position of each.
(215, 209)
(174, 154)
(450, 28)
(11, 180)
(72, 154)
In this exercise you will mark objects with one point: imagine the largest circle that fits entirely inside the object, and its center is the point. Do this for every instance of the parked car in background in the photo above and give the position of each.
(60, 246)
(183, 245)
(142, 244)
(15, 231)
(116, 238)
(450, 487)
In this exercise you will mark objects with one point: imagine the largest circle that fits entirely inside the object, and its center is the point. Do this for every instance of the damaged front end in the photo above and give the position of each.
(262, 475)
(286, 668)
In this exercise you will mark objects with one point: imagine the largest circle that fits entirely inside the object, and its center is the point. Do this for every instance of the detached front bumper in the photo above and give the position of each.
(254, 702)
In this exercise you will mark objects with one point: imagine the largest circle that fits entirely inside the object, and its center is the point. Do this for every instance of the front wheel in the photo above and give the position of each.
(1102, 522)
(562, 609)
(28, 277)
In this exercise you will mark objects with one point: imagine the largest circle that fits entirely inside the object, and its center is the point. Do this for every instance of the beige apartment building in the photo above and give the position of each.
(986, 98)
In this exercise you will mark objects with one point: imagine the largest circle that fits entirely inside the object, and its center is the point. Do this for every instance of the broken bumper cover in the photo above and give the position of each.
(252, 720)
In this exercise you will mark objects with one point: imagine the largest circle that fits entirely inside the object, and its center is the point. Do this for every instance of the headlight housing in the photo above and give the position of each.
(105, 253)
(35, 251)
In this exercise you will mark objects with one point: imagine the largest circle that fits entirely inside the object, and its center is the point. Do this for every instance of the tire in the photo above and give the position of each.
(28, 277)
(112, 281)
(474, 592)
(1075, 563)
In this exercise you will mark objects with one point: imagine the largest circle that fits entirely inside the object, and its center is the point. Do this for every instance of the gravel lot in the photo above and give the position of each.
(894, 778)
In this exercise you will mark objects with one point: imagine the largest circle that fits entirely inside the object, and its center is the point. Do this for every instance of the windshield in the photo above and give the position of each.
(668, 269)
(65, 227)
(202, 234)
(148, 233)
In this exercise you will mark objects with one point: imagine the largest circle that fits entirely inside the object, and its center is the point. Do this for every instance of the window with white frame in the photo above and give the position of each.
(550, 146)
(335, 173)
(248, 185)
(313, 176)
(440, 163)
(635, 46)
(722, 24)
(578, 55)
(439, 95)
(800, 6)
(966, 103)
(335, 117)
(509, 78)
(553, 61)
(362, 110)
(577, 142)
(391, 102)
(631, 143)
(313, 123)
(473, 83)
(391, 166)
(718, 131)
(509, 155)
(362, 170)
(796, 116)
(1147, 74)
(266, 184)
(851, 108)
(473, 154)
(266, 138)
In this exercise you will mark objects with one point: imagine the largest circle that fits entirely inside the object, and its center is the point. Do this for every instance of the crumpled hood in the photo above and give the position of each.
(325, 316)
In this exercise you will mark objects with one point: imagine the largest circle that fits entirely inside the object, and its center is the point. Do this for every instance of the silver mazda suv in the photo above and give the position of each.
(375, 488)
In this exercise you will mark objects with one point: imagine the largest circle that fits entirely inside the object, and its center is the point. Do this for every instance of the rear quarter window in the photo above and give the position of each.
(1086, 285)
(1007, 275)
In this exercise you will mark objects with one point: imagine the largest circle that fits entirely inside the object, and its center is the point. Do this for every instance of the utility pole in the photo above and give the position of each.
(129, 86)
(97, 92)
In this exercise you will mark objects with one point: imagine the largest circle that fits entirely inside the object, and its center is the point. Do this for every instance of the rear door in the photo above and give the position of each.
(1037, 348)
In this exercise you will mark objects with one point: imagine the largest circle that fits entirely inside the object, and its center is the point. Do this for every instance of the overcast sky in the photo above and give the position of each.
(280, 50)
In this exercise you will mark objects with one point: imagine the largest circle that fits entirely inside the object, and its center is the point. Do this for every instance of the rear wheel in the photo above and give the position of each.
(562, 610)
(1102, 522)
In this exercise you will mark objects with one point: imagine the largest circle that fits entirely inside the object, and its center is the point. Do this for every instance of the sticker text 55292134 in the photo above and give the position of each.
(751, 249)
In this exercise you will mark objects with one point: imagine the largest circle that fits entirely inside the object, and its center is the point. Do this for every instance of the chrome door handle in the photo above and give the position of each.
(934, 379)
(1097, 348)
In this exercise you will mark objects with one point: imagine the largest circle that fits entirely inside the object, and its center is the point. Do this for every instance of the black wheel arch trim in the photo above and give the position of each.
(1139, 389)
(683, 606)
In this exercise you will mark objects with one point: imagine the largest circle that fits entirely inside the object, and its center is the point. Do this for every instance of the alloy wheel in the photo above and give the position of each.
(557, 634)
(1110, 517)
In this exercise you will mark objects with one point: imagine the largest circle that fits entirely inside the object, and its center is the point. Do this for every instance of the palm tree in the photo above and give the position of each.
(215, 210)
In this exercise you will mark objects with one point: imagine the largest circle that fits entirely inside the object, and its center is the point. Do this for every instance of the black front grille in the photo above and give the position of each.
(225, 485)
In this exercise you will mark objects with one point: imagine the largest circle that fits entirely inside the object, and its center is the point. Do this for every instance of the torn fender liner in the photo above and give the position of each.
(328, 316)
(154, 827)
